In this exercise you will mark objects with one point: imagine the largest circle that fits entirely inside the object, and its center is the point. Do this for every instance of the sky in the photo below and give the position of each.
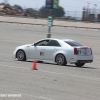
(68, 5)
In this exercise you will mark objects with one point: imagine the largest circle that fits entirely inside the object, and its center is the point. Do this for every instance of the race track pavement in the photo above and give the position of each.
(50, 81)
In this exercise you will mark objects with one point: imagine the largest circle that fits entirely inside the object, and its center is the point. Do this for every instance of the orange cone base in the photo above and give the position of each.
(34, 69)
(34, 66)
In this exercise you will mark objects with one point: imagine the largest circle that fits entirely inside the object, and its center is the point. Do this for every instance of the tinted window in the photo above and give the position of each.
(73, 43)
(53, 43)
(42, 43)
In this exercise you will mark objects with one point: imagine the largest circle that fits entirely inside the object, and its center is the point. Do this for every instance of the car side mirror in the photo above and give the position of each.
(34, 44)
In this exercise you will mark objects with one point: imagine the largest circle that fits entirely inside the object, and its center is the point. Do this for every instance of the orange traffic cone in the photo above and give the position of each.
(34, 65)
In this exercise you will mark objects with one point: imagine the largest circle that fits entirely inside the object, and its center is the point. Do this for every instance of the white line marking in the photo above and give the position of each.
(39, 97)
(91, 78)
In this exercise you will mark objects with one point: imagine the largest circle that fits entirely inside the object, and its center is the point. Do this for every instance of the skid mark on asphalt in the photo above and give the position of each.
(39, 97)
(43, 71)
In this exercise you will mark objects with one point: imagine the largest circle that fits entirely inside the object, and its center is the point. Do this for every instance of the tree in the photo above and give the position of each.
(7, 5)
(18, 7)
(44, 12)
(30, 11)
(55, 12)
(59, 13)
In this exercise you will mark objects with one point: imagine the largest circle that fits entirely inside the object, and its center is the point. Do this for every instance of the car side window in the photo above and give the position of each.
(53, 43)
(42, 43)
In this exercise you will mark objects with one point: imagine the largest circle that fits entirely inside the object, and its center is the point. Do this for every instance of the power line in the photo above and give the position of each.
(87, 1)
(70, 6)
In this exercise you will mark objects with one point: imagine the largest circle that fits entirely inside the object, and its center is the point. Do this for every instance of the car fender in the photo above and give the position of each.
(24, 48)
(67, 53)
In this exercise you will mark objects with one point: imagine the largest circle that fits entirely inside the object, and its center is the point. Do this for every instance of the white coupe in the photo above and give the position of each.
(60, 51)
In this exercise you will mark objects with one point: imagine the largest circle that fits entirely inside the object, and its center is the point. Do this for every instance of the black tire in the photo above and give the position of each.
(39, 61)
(60, 59)
(20, 55)
(79, 64)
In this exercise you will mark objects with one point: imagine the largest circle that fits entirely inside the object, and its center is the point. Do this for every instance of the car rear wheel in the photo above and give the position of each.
(60, 59)
(79, 64)
(21, 55)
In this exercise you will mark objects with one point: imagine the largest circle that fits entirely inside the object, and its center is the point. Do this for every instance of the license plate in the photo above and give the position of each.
(82, 52)
(85, 53)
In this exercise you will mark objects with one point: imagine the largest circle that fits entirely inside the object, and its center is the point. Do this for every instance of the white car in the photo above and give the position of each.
(60, 51)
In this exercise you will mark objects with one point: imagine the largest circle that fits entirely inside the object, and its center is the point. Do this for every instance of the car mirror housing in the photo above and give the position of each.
(34, 44)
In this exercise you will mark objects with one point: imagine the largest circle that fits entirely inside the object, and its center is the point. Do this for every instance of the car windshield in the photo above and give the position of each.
(73, 43)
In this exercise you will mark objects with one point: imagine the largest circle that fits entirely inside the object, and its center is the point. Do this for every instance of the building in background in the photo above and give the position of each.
(91, 14)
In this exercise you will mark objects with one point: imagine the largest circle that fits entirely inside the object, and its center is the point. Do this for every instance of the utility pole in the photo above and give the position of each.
(50, 22)
(51, 4)
(95, 12)
(88, 6)
(88, 10)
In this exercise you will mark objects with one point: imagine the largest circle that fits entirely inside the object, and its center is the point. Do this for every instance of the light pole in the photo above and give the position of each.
(88, 10)
(95, 5)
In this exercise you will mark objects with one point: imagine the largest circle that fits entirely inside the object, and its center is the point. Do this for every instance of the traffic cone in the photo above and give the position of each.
(34, 65)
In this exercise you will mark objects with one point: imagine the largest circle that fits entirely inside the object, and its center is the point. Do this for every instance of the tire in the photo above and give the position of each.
(79, 64)
(39, 61)
(60, 59)
(20, 55)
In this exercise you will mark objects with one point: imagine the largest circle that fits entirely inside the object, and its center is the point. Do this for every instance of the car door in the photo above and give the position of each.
(37, 51)
(51, 49)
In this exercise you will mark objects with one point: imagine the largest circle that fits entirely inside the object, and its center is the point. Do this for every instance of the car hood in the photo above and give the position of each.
(23, 46)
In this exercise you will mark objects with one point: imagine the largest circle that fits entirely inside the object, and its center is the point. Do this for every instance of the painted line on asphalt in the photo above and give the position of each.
(39, 97)
(77, 76)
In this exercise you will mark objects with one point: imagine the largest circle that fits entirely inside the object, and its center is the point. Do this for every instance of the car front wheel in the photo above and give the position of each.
(21, 55)
(60, 59)
(79, 64)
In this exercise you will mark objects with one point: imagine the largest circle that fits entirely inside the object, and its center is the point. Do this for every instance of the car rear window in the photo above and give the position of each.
(73, 43)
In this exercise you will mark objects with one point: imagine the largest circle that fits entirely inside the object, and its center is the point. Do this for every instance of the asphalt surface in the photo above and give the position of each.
(50, 81)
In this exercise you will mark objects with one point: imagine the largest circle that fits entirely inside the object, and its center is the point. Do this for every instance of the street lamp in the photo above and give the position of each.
(95, 7)
(95, 10)
(87, 11)
(88, 8)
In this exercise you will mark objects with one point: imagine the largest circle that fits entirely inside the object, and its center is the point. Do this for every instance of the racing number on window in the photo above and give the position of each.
(41, 53)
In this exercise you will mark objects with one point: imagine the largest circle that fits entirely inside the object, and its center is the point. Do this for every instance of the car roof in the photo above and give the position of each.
(59, 39)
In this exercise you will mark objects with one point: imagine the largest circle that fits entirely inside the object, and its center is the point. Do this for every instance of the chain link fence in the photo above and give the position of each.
(92, 15)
